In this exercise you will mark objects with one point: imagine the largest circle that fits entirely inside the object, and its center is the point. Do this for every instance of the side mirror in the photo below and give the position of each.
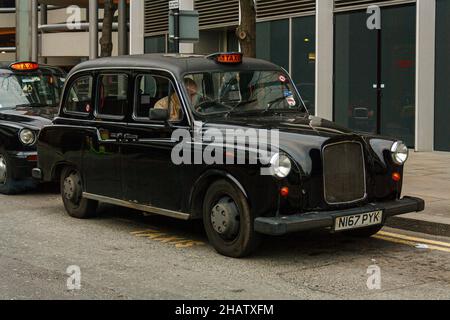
(159, 115)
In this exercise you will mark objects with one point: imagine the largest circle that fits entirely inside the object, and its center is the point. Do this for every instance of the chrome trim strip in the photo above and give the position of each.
(137, 206)
(364, 170)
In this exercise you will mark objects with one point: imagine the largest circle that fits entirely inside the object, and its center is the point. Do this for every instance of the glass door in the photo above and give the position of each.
(398, 68)
(356, 73)
(374, 89)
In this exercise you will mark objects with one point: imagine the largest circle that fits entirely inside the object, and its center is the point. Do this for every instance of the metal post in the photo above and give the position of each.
(93, 29)
(34, 31)
(123, 30)
(44, 20)
(43, 8)
(176, 29)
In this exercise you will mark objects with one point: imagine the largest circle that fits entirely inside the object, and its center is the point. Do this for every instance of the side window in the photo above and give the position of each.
(156, 92)
(79, 99)
(112, 95)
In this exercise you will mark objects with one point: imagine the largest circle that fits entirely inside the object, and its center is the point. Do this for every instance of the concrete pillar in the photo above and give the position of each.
(123, 29)
(186, 5)
(34, 31)
(425, 74)
(324, 58)
(43, 18)
(93, 29)
(136, 27)
(23, 32)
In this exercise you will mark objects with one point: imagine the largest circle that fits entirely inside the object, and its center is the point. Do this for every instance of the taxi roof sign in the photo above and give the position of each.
(24, 66)
(227, 57)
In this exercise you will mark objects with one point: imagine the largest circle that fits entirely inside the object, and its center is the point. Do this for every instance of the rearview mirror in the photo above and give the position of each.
(159, 115)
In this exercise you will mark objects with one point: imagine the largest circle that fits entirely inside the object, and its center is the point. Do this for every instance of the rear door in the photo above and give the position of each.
(102, 160)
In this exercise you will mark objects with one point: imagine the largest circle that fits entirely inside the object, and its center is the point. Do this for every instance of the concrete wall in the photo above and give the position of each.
(7, 20)
(70, 44)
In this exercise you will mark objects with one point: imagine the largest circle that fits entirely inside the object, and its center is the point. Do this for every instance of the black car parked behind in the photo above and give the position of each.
(29, 96)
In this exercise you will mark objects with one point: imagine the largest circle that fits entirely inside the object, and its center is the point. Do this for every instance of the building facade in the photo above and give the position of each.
(374, 66)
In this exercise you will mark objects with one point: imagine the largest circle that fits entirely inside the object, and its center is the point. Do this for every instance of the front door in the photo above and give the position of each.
(150, 176)
(374, 89)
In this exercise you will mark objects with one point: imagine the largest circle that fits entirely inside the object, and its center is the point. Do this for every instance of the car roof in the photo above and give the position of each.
(178, 64)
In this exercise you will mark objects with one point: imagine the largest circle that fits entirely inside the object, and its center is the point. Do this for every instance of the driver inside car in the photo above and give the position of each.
(175, 105)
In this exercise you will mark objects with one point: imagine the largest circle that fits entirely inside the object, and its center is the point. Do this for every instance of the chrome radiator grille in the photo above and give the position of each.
(344, 173)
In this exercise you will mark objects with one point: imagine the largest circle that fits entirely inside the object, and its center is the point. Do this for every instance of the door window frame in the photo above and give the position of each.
(153, 73)
(101, 116)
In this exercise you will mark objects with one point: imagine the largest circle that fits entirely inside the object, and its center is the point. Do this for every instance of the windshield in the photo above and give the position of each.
(229, 93)
(30, 89)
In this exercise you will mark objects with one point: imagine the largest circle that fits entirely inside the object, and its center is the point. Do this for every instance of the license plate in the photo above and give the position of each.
(358, 221)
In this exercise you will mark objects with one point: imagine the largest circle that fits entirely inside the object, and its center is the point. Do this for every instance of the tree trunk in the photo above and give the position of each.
(106, 44)
(246, 32)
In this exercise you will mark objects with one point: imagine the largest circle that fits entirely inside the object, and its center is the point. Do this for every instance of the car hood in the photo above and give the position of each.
(299, 136)
(30, 116)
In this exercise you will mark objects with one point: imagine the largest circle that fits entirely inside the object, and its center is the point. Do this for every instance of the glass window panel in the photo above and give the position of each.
(355, 98)
(155, 44)
(304, 58)
(272, 42)
(113, 95)
(80, 96)
(398, 68)
(442, 103)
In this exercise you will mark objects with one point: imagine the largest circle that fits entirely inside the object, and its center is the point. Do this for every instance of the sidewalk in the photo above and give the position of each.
(427, 176)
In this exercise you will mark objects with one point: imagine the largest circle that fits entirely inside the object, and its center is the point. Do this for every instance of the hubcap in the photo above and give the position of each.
(225, 218)
(3, 170)
(72, 188)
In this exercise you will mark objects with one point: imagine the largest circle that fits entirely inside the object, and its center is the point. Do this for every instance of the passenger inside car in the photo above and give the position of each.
(174, 104)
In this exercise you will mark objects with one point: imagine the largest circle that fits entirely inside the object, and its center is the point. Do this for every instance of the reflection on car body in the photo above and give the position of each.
(110, 144)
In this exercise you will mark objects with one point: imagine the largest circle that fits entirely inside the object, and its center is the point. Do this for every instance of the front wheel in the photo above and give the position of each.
(364, 232)
(228, 221)
(72, 195)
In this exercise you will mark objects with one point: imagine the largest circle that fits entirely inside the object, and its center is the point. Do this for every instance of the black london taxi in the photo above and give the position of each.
(29, 99)
(125, 123)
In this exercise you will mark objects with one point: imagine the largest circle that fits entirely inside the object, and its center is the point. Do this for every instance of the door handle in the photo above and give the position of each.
(130, 137)
(117, 136)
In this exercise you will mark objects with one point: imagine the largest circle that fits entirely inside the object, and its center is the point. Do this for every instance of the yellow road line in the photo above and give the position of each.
(409, 243)
(419, 240)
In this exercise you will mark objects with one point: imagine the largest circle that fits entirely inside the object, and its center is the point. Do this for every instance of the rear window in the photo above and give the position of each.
(30, 89)
(79, 99)
(113, 95)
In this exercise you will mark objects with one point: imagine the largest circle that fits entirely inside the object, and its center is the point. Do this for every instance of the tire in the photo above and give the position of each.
(364, 232)
(8, 185)
(234, 240)
(71, 193)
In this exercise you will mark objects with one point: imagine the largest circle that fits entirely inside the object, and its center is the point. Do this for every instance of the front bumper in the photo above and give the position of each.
(277, 226)
(22, 164)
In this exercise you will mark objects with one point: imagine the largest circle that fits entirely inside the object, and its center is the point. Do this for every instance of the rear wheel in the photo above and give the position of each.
(228, 221)
(72, 195)
(364, 232)
(8, 185)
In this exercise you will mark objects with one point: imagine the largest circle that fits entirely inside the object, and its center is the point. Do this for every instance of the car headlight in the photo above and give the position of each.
(399, 152)
(27, 137)
(281, 165)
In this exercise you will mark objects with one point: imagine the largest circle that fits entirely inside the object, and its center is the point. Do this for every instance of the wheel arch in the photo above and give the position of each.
(203, 183)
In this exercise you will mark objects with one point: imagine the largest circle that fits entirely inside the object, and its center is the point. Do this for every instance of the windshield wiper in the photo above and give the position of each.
(240, 104)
